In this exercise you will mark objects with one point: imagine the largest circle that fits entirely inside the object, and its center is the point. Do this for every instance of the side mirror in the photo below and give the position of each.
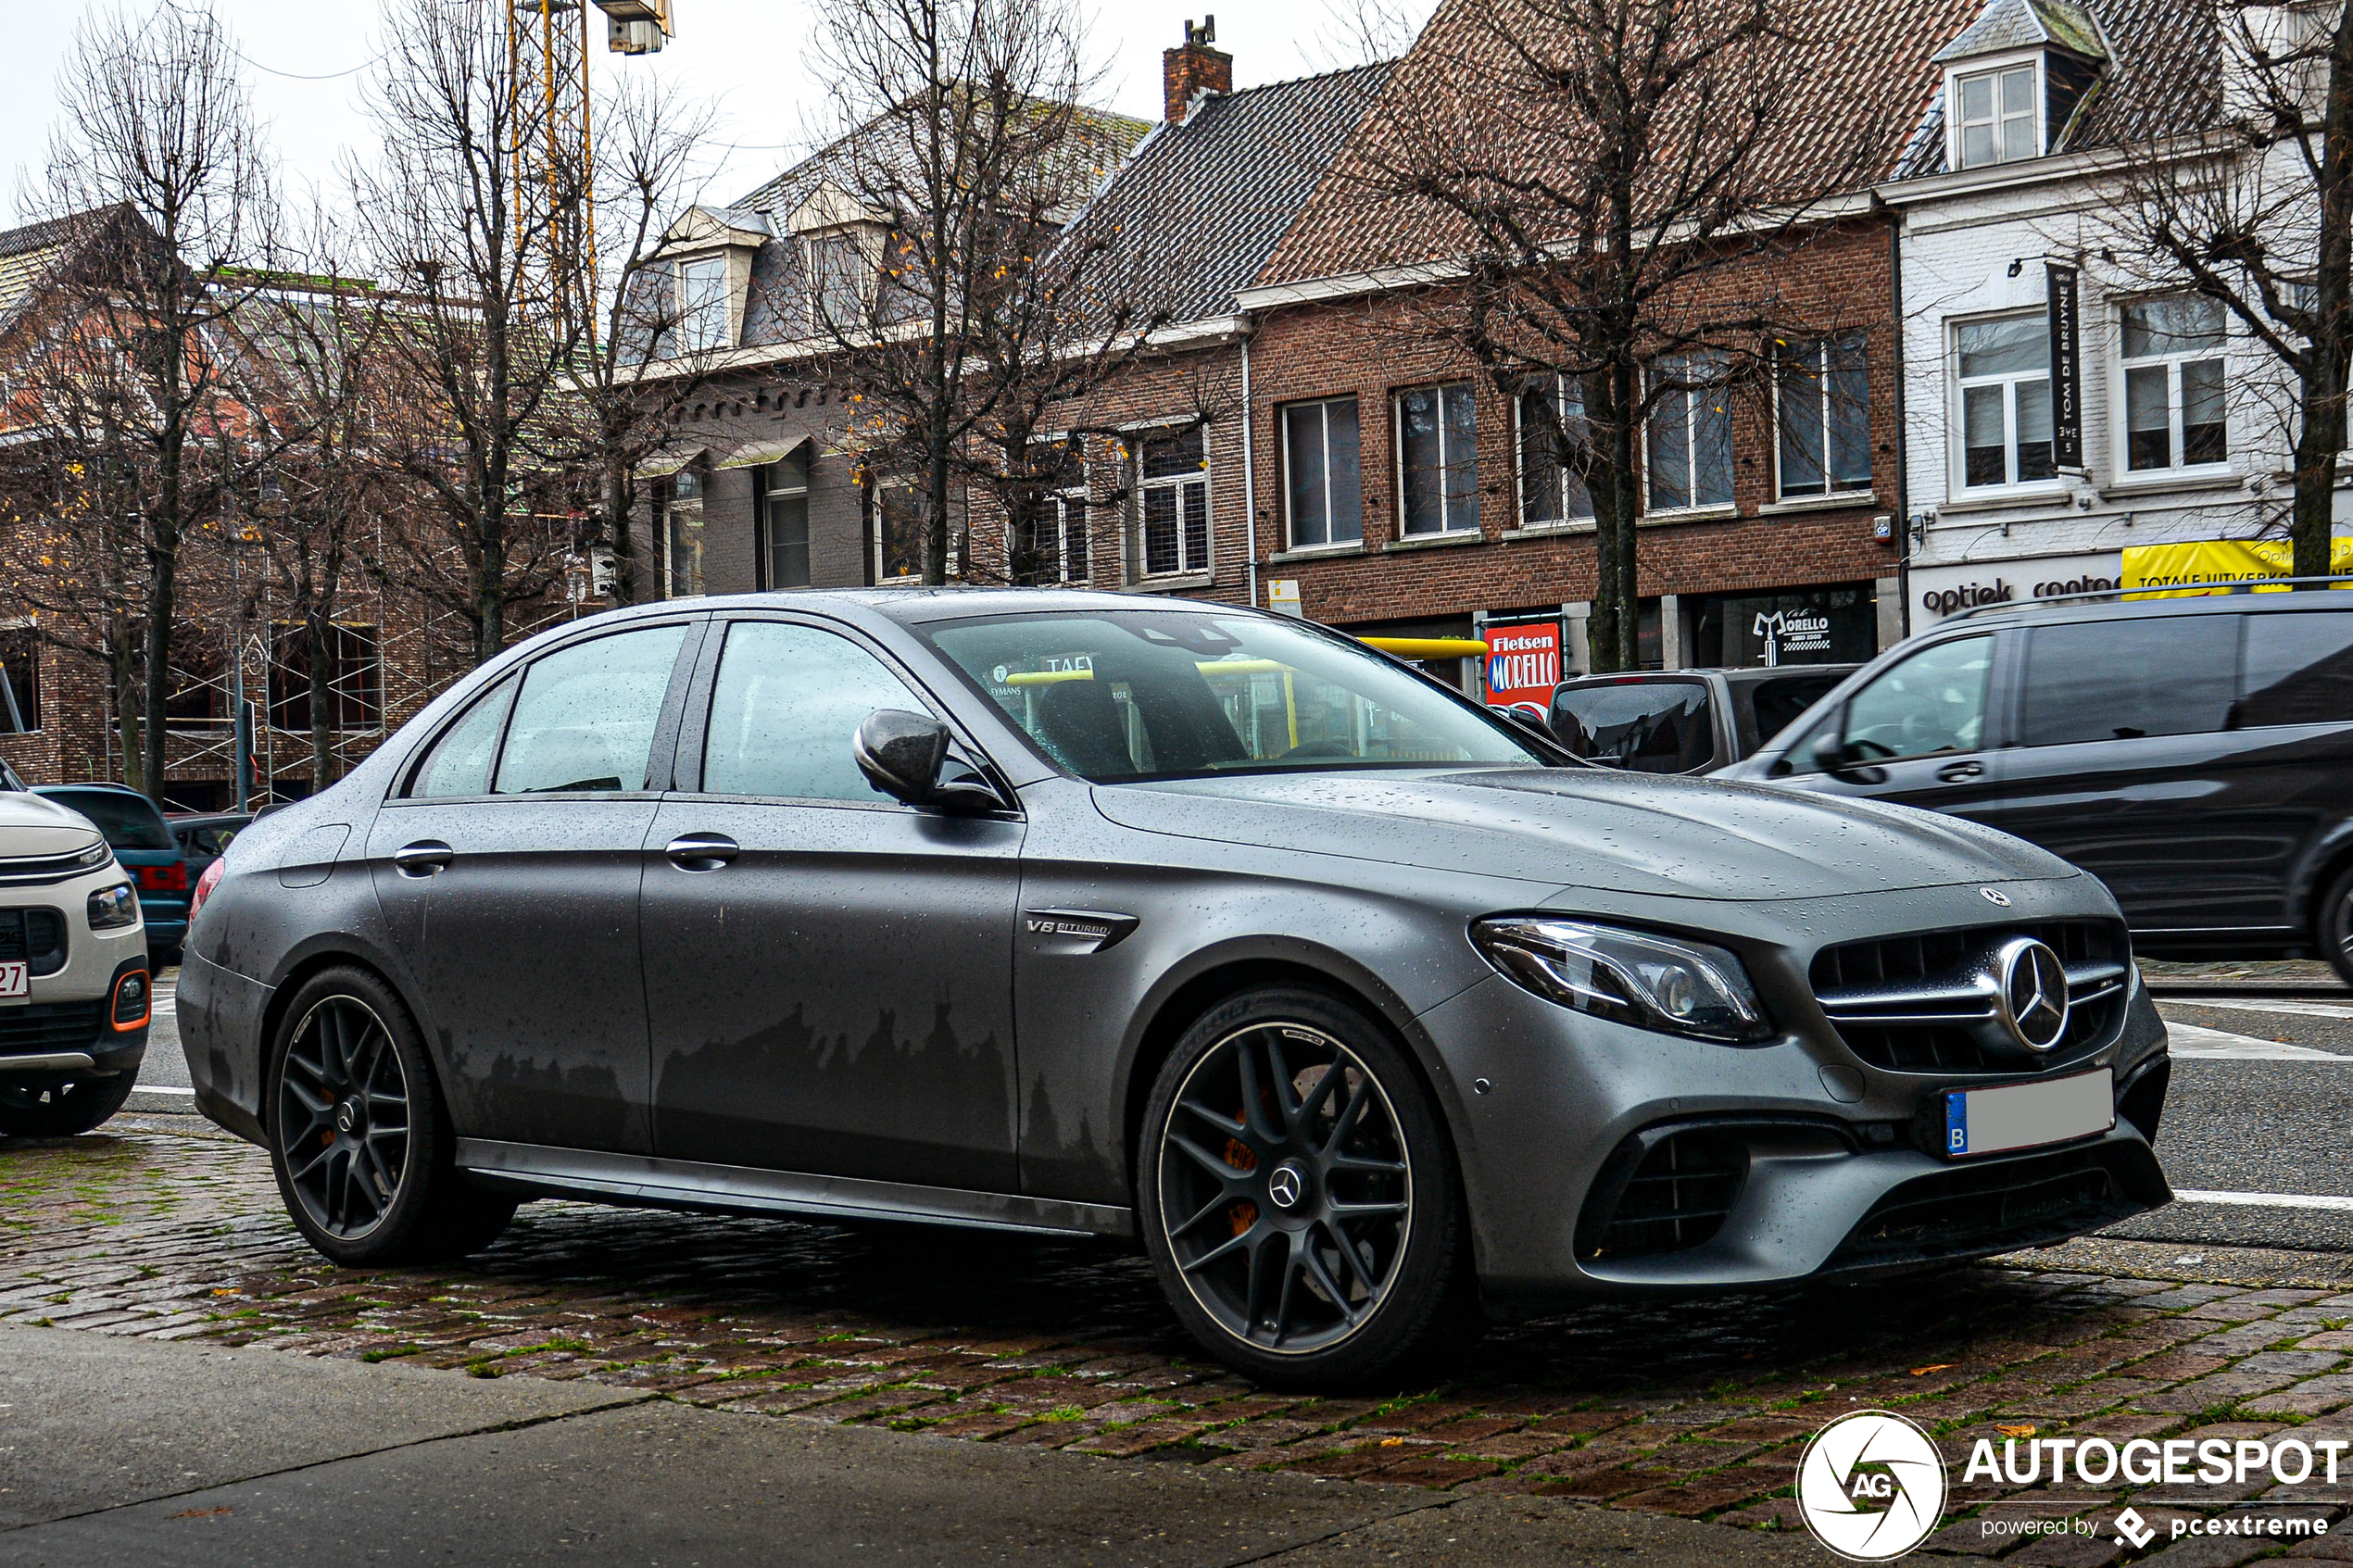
(1831, 754)
(1830, 751)
(905, 754)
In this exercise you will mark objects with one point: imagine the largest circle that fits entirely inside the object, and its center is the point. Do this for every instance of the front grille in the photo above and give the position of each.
(32, 869)
(1972, 1211)
(34, 937)
(1924, 1003)
(1677, 1199)
(49, 1026)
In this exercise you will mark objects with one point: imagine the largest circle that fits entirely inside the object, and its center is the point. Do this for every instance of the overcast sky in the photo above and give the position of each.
(744, 52)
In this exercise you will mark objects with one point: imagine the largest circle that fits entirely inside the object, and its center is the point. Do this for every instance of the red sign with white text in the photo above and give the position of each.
(1523, 663)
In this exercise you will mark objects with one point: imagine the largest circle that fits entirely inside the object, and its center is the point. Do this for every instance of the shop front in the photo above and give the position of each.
(1827, 623)
(1938, 592)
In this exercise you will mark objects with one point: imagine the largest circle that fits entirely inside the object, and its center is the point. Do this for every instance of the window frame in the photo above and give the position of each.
(1568, 522)
(770, 493)
(692, 311)
(824, 242)
(874, 503)
(1132, 443)
(1695, 509)
(1323, 405)
(2120, 404)
(673, 507)
(1447, 527)
(1957, 392)
(2038, 90)
(1832, 491)
(1069, 504)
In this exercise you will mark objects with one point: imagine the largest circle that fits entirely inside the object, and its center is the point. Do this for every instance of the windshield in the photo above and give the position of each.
(128, 821)
(1116, 696)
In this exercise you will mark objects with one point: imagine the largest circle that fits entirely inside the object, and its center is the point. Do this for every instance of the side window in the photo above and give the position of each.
(2121, 680)
(585, 718)
(2300, 670)
(459, 761)
(1651, 727)
(788, 701)
(1932, 702)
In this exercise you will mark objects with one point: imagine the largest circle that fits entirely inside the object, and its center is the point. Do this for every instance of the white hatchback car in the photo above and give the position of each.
(74, 988)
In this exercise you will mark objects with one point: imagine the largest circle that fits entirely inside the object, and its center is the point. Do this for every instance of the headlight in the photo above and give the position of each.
(96, 855)
(1630, 976)
(111, 908)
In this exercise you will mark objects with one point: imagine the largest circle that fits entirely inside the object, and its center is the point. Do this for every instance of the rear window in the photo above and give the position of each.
(1778, 701)
(1650, 726)
(128, 821)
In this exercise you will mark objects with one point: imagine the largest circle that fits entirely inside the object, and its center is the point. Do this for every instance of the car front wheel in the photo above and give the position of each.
(2336, 926)
(357, 1137)
(1296, 1193)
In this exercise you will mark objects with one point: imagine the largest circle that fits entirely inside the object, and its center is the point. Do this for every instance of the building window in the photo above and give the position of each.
(1552, 424)
(1172, 485)
(1327, 489)
(1438, 458)
(1054, 549)
(1689, 455)
(681, 532)
(898, 534)
(351, 691)
(837, 281)
(702, 304)
(1823, 399)
(20, 679)
(2005, 401)
(1997, 122)
(784, 521)
(2172, 351)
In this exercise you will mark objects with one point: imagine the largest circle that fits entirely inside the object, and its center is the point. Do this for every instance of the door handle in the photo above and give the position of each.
(702, 851)
(423, 857)
(1954, 772)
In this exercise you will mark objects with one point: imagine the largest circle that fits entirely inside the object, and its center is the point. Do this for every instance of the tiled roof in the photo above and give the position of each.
(1202, 205)
(2026, 24)
(30, 254)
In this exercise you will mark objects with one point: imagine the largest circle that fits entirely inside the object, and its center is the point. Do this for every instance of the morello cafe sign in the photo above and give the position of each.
(1523, 661)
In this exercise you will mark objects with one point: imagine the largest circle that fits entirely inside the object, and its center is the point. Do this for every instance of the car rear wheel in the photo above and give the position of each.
(62, 1109)
(2336, 926)
(1297, 1195)
(359, 1137)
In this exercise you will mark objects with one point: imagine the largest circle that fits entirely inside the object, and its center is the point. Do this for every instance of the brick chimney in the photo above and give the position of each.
(1196, 68)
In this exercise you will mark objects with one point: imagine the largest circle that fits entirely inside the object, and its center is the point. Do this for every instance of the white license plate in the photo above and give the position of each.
(16, 980)
(2027, 1115)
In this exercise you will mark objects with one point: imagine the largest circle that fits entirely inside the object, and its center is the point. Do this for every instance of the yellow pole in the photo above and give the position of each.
(1291, 708)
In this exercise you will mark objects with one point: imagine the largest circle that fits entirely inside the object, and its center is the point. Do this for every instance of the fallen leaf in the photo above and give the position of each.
(2021, 1431)
(1936, 1366)
(203, 1512)
(1392, 1442)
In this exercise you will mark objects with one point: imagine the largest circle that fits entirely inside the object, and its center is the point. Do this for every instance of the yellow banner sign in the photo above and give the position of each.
(2213, 566)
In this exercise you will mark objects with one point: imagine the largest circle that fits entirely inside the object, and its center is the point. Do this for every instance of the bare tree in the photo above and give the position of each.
(2250, 204)
(158, 126)
(1597, 193)
(961, 319)
(478, 348)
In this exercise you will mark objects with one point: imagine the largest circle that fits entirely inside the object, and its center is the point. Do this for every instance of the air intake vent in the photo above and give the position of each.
(34, 937)
(1681, 1189)
(49, 1026)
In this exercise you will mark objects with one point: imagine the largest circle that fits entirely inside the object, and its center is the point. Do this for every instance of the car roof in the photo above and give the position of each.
(914, 604)
(2076, 608)
(106, 785)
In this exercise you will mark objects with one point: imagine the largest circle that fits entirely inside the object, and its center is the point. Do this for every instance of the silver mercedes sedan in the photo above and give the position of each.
(1369, 1013)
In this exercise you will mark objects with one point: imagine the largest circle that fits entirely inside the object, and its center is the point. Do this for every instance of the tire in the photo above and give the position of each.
(1270, 1272)
(359, 1140)
(2334, 925)
(62, 1109)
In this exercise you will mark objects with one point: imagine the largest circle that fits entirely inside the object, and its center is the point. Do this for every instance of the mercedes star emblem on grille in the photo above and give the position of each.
(2034, 992)
(1995, 896)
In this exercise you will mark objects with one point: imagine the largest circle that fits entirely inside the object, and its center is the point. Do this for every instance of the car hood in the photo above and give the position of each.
(33, 825)
(1628, 833)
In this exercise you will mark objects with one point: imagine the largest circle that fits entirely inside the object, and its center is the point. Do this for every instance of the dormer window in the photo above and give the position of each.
(1997, 119)
(837, 276)
(702, 303)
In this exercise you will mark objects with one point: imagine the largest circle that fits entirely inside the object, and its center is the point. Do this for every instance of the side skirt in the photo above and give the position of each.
(638, 1179)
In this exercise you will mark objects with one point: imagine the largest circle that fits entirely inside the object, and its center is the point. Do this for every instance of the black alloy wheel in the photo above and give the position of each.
(359, 1138)
(2336, 926)
(1300, 1202)
(343, 1117)
(61, 1108)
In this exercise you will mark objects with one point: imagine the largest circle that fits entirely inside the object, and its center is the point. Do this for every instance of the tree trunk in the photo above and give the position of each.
(2322, 435)
(124, 676)
(163, 556)
(620, 528)
(317, 627)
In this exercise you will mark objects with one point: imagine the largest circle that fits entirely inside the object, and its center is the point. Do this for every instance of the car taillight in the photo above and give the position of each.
(205, 885)
(172, 878)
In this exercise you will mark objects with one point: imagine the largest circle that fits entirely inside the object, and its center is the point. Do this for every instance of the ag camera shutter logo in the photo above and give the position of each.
(1871, 1485)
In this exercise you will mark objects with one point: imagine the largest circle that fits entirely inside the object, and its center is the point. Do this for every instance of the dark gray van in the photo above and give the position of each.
(1684, 720)
(2195, 754)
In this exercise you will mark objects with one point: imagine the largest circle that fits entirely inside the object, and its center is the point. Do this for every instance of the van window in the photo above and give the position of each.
(1931, 703)
(1650, 726)
(2299, 669)
(128, 821)
(2122, 680)
(1778, 701)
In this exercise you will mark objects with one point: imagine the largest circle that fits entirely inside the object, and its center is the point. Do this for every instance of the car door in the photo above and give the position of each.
(509, 872)
(829, 971)
(1916, 734)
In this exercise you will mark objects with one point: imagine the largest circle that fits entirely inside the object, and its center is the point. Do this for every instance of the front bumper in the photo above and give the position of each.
(1801, 1160)
(65, 1026)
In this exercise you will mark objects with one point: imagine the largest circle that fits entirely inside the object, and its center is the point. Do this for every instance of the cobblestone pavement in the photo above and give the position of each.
(1697, 1410)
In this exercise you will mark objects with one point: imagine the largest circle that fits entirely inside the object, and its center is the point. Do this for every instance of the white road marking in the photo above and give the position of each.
(2194, 1043)
(2266, 1199)
(163, 1089)
(2234, 1004)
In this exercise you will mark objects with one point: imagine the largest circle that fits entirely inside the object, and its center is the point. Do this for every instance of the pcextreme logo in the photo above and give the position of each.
(1871, 1485)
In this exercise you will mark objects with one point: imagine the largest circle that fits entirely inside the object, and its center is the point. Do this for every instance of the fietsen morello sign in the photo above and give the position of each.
(1523, 661)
